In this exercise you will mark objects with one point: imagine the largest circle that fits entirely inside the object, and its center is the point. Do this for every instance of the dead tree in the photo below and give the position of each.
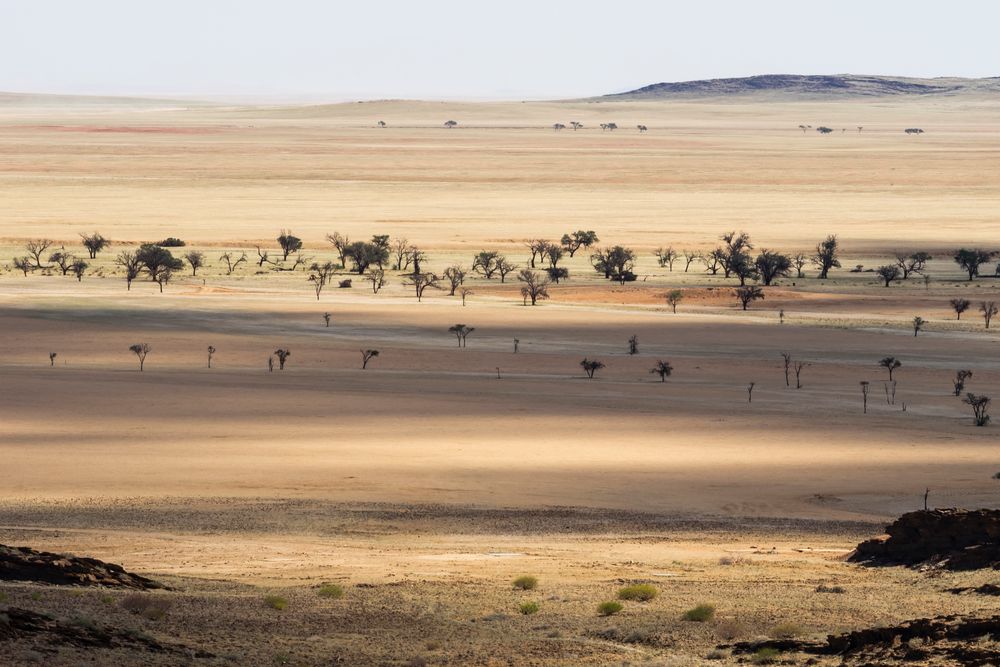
(633, 344)
(455, 275)
(787, 358)
(465, 291)
(534, 286)
(366, 356)
(959, 381)
(799, 365)
(377, 278)
(663, 369)
(865, 388)
(320, 275)
(231, 262)
(140, 350)
(988, 309)
(36, 248)
(52, 358)
(131, 262)
(282, 354)
(211, 352)
(750, 391)
(421, 281)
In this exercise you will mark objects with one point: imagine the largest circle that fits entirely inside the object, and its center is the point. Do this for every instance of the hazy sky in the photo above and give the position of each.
(467, 49)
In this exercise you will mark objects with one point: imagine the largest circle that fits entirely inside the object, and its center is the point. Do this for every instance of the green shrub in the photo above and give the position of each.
(108, 599)
(638, 592)
(171, 242)
(528, 608)
(765, 656)
(332, 591)
(36, 596)
(3, 596)
(609, 608)
(526, 583)
(276, 602)
(787, 631)
(700, 614)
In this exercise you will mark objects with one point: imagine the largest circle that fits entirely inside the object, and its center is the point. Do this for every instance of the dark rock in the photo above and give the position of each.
(24, 564)
(954, 539)
(985, 589)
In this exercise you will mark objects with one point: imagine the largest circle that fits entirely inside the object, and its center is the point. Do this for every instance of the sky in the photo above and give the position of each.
(509, 49)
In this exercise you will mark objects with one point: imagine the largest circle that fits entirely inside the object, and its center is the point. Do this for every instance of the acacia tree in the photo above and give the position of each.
(486, 263)
(79, 267)
(140, 350)
(591, 366)
(988, 309)
(366, 356)
(615, 263)
(913, 263)
(231, 261)
(364, 254)
(289, 243)
(674, 297)
(130, 262)
(158, 263)
(461, 332)
(666, 257)
(787, 359)
(799, 262)
(421, 281)
(826, 256)
(748, 294)
(890, 364)
(734, 253)
(94, 243)
(578, 239)
(959, 381)
(504, 267)
(340, 243)
(533, 287)
(465, 291)
(36, 248)
(63, 260)
(282, 353)
(195, 260)
(537, 248)
(24, 265)
(377, 278)
(320, 275)
(402, 250)
(455, 275)
(979, 404)
(960, 306)
(771, 265)
(918, 325)
(690, 256)
(888, 273)
(663, 369)
(971, 260)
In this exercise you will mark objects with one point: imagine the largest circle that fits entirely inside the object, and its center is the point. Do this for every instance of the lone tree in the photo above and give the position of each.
(825, 257)
(140, 350)
(195, 260)
(918, 325)
(79, 267)
(534, 286)
(591, 366)
(971, 260)
(450, 124)
(988, 309)
(915, 263)
(750, 391)
(36, 248)
(421, 281)
(289, 243)
(888, 273)
(232, 261)
(320, 275)
(366, 356)
(960, 306)
(282, 354)
(787, 359)
(959, 381)
(326, 318)
(461, 332)
(211, 353)
(578, 239)
(674, 297)
(890, 364)
(131, 264)
(799, 365)
(52, 358)
(663, 369)
(979, 404)
(748, 294)
(865, 389)
(772, 265)
(94, 243)
(633, 344)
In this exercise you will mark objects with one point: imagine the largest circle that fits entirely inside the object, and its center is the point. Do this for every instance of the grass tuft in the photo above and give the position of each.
(638, 592)
(787, 631)
(332, 591)
(276, 602)
(526, 583)
(765, 656)
(609, 608)
(700, 614)
(528, 608)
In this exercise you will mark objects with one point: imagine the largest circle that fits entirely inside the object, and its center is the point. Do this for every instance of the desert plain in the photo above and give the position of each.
(424, 484)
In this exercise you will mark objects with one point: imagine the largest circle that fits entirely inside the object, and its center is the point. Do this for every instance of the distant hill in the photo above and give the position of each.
(793, 86)
(40, 100)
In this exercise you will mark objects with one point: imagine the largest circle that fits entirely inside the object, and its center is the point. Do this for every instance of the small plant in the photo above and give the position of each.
(787, 631)
(171, 242)
(526, 583)
(734, 560)
(332, 591)
(700, 614)
(36, 596)
(609, 608)
(3, 596)
(108, 599)
(765, 656)
(716, 655)
(638, 592)
(528, 608)
(276, 602)
(823, 588)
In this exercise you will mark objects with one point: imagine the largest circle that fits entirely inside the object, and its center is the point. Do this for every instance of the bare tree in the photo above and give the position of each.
(79, 267)
(401, 249)
(865, 389)
(24, 265)
(131, 263)
(787, 359)
(486, 263)
(888, 273)
(918, 325)
(504, 267)
(36, 248)
(534, 286)
(465, 291)
(988, 309)
(959, 381)
(674, 297)
(282, 354)
(63, 260)
(663, 369)
(537, 248)
(799, 262)
(461, 332)
(377, 278)
(340, 243)
(690, 256)
(455, 275)
(320, 275)
(979, 404)
(211, 353)
(912, 263)
(94, 243)
(366, 356)
(890, 364)
(326, 318)
(140, 350)
(231, 261)
(52, 358)
(666, 257)
(591, 366)
(633, 344)
(750, 391)
(195, 260)
(799, 365)
(960, 306)
(748, 294)
(421, 281)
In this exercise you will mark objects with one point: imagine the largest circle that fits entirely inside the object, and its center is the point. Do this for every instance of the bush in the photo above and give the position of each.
(526, 583)
(151, 607)
(276, 602)
(765, 656)
(996, 475)
(700, 614)
(528, 608)
(108, 599)
(171, 242)
(609, 608)
(734, 560)
(787, 631)
(716, 655)
(3, 596)
(823, 588)
(638, 592)
(343, 284)
(332, 591)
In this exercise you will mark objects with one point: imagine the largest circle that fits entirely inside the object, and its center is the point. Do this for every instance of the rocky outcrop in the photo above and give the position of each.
(24, 564)
(953, 539)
